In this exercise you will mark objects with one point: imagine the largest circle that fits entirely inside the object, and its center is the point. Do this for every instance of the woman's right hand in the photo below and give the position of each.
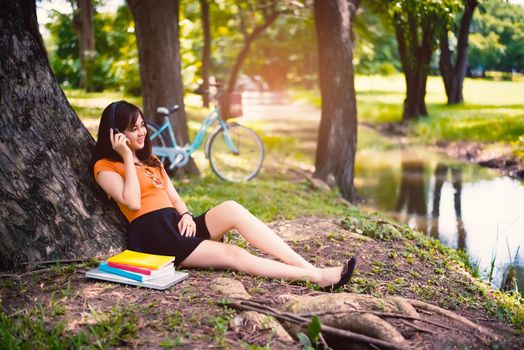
(119, 142)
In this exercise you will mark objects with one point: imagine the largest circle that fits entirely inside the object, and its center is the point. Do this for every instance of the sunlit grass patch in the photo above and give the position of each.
(492, 111)
(473, 125)
(268, 198)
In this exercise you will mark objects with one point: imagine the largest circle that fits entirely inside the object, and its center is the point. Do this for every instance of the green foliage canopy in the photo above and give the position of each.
(116, 59)
(497, 37)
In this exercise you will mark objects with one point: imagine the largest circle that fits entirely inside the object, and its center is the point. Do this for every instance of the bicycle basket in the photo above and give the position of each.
(231, 105)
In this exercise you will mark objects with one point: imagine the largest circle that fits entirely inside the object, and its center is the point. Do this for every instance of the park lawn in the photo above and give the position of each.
(493, 110)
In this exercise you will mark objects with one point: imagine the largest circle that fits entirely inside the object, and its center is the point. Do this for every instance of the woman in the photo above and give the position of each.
(160, 222)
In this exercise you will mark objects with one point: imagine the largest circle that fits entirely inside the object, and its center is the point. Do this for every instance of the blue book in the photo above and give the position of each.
(161, 282)
(134, 276)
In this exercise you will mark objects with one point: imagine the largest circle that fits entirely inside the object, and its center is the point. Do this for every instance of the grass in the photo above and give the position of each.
(268, 198)
(493, 110)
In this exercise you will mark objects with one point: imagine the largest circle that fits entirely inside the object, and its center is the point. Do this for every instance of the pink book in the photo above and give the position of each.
(141, 270)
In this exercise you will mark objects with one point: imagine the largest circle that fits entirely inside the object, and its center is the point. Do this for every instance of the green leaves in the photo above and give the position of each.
(312, 339)
(314, 329)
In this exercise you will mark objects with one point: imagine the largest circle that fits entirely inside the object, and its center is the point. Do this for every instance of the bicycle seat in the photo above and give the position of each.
(167, 110)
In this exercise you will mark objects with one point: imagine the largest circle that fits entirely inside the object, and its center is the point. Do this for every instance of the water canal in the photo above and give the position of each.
(465, 206)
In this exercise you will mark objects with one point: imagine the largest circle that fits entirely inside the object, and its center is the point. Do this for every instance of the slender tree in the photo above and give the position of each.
(453, 74)
(156, 30)
(206, 53)
(49, 209)
(337, 136)
(83, 20)
(270, 12)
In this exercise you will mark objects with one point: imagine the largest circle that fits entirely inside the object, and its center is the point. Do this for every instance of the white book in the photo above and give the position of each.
(161, 282)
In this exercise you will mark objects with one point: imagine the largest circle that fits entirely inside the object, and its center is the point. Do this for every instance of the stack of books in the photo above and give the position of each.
(141, 269)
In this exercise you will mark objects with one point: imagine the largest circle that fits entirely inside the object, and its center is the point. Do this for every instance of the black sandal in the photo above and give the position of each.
(345, 275)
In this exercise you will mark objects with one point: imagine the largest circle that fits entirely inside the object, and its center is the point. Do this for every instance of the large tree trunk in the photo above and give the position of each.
(156, 30)
(454, 74)
(84, 24)
(31, 22)
(337, 137)
(206, 53)
(49, 209)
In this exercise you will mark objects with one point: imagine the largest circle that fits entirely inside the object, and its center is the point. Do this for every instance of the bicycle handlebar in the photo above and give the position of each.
(167, 110)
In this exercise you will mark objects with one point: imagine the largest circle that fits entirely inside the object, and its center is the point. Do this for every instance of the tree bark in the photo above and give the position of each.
(206, 53)
(49, 209)
(337, 137)
(31, 22)
(84, 24)
(156, 30)
(454, 74)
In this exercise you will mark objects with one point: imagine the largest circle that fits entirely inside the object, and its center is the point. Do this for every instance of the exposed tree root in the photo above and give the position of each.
(360, 319)
(432, 308)
(303, 322)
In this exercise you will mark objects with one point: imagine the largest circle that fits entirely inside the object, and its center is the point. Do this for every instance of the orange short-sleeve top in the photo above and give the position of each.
(153, 187)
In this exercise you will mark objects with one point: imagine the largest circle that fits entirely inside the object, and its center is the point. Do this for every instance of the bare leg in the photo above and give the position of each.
(231, 215)
(222, 255)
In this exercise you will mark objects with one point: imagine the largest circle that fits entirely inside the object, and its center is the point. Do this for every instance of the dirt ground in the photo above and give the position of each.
(187, 315)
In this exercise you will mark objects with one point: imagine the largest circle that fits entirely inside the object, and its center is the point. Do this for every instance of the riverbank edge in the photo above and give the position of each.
(498, 156)
(509, 306)
(495, 155)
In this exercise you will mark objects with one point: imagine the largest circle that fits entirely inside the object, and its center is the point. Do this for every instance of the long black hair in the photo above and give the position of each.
(121, 115)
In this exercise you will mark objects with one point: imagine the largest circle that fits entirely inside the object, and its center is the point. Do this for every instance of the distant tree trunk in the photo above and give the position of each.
(49, 209)
(415, 57)
(337, 137)
(270, 15)
(156, 33)
(454, 74)
(206, 53)
(85, 26)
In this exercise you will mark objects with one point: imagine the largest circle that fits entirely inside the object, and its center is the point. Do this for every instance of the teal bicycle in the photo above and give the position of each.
(235, 152)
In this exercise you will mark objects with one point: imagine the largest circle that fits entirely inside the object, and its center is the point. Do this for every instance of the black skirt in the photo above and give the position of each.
(157, 232)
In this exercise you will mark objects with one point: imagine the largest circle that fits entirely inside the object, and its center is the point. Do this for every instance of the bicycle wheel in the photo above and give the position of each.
(236, 166)
(159, 141)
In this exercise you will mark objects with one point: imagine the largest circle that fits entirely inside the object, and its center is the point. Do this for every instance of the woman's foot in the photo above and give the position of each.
(336, 277)
(329, 276)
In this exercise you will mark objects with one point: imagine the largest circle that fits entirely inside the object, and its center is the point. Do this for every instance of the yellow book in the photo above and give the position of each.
(151, 261)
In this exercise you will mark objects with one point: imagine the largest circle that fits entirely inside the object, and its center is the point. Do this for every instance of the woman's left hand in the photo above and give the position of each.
(186, 226)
